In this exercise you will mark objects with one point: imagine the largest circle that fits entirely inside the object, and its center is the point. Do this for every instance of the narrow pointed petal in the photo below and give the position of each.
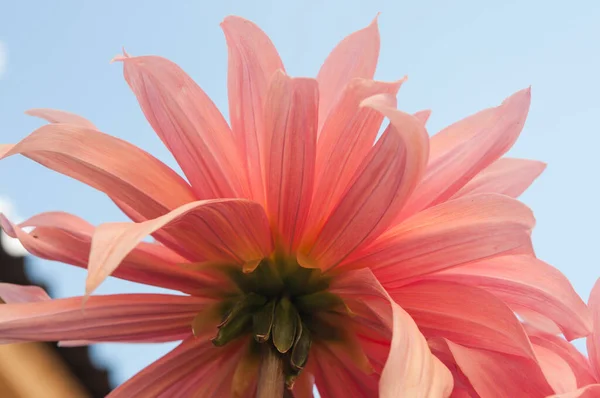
(291, 134)
(376, 192)
(493, 374)
(104, 162)
(232, 230)
(253, 60)
(346, 139)
(57, 116)
(557, 371)
(423, 116)
(124, 317)
(505, 176)
(591, 391)
(189, 124)
(578, 363)
(440, 311)
(13, 294)
(533, 319)
(530, 283)
(355, 56)
(593, 341)
(194, 356)
(448, 235)
(462, 150)
(412, 370)
(66, 238)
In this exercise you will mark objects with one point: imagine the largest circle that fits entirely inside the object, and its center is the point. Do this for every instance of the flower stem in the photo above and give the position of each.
(270, 376)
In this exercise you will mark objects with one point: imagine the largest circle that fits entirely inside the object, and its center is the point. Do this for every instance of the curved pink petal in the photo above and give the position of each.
(355, 56)
(557, 371)
(58, 116)
(578, 363)
(291, 134)
(124, 317)
(529, 283)
(230, 230)
(462, 150)
(346, 139)
(439, 309)
(189, 124)
(447, 235)
(533, 319)
(13, 294)
(593, 340)
(104, 162)
(423, 116)
(506, 176)
(66, 238)
(194, 356)
(376, 192)
(591, 391)
(253, 60)
(493, 374)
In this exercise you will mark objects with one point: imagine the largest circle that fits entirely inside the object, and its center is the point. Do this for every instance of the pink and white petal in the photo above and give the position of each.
(290, 151)
(493, 374)
(578, 363)
(13, 294)
(104, 162)
(355, 56)
(557, 371)
(593, 340)
(530, 283)
(58, 116)
(423, 115)
(117, 318)
(448, 235)
(189, 124)
(230, 230)
(197, 356)
(462, 150)
(439, 309)
(506, 176)
(376, 192)
(591, 391)
(412, 370)
(535, 320)
(345, 140)
(69, 241)
(253, 60)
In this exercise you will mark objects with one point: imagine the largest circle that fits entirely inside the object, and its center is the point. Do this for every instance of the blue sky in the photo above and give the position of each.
(460, 56)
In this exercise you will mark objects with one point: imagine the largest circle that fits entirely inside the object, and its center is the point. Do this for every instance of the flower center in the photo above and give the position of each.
(285, 308)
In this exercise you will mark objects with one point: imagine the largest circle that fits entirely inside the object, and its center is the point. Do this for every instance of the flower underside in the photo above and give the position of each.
(285, 308)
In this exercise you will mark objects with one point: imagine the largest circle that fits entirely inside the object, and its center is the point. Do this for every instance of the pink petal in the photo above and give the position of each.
(462, 150)
(194, 356)
(530, 283)
(423, 116)
(13, 294)
(230, 230)
(346, 139)
(591, 391)
(506, 176)
(66, 238)
(557, 371)
(578, 363)
(593, 341)
(448, 235)
(57, 116)
(104, 162)
(125, 317)
(291, 133)
(252, 62)
(533, 319)
(189, 124)
(376, 192)
(494, 374)
(355, 56)
(439, 310)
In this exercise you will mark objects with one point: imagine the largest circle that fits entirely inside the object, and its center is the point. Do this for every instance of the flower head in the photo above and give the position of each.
(310, 250)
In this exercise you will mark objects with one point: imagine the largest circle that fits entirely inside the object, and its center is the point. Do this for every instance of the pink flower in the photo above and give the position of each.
(307, 253)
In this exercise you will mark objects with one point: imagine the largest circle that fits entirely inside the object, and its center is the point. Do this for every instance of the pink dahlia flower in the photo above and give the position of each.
(310, 251)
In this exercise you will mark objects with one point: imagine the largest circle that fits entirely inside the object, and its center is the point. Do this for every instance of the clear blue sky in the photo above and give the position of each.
(460, 56)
